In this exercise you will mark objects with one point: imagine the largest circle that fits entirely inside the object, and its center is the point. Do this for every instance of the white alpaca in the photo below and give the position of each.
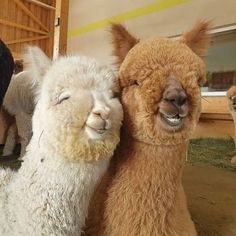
(75, 131)
(19, 102)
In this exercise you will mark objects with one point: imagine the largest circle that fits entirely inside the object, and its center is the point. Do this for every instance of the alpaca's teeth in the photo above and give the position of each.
(172, 121)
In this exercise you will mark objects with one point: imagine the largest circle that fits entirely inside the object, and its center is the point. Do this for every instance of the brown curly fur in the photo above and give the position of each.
(231, 93)
(142, 193)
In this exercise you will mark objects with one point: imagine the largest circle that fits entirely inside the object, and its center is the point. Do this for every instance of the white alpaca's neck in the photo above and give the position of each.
(57, 169)
(63, 189)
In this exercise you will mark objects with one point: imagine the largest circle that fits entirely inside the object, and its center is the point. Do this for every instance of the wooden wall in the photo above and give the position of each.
(214, 128)
(27, 21)
(216, 120)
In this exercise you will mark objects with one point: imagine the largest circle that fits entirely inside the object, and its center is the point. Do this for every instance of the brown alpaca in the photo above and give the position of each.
(231, 95)
(142, 193)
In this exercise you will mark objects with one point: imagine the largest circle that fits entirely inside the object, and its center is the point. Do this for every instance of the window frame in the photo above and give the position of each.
(217, 31)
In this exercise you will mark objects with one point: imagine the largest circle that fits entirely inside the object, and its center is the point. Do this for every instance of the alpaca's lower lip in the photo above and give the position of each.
(173, 121)
(99, 131)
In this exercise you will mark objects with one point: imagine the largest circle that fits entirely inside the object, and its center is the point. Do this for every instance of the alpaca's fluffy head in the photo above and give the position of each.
(231, 95)
(160, 80)
(20, 94)
(77, 115)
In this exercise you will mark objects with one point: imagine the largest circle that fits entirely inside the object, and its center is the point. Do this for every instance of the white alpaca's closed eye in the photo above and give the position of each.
(62, 97)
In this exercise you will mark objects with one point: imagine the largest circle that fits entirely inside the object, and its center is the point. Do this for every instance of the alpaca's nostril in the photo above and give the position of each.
(182, 100)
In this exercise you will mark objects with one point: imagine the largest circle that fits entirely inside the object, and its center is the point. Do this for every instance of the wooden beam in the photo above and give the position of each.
(60, 32)
(41, 4)
(30, 14)
(50, 42)
(215, 105)
(24, 40)
(9, 23)
(216, 116)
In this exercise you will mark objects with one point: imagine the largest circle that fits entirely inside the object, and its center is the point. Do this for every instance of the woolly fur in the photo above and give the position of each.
(19, 101)
(142, 193)
(50, 193)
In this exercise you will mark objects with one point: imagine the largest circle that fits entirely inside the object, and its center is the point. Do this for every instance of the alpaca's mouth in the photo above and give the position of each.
(173, 121)
(99, 131)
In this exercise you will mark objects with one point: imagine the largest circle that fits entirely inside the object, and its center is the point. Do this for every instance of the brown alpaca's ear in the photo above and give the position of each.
(122, 42)
(198, 38)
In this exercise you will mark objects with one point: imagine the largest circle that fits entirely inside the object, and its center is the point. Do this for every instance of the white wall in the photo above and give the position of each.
(168, 22)
(222, 57)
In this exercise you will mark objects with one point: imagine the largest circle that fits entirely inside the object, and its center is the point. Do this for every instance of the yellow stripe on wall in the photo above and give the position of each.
(154, 7)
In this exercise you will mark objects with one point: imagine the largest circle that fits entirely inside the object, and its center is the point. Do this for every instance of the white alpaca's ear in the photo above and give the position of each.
(36, 62)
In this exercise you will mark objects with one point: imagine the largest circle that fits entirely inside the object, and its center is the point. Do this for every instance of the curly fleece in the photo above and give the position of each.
(141, 193)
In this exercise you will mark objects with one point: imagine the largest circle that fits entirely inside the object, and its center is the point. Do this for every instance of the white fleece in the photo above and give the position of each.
(47, 196)
(19, 101)
(76, 125)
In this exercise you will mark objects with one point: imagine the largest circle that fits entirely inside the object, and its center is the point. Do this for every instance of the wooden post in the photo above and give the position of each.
(61, 28)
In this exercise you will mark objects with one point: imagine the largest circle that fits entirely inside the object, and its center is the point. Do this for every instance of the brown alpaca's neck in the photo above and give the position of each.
(165, 160)
(153, 173)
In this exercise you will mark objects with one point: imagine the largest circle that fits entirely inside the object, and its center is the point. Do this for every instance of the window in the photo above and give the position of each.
(221, 62)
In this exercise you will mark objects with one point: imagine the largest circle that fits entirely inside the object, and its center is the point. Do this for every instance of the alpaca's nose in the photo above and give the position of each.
(175, 94)
(103, 112)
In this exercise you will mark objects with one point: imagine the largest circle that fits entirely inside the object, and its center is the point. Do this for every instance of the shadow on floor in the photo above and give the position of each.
(12, 160)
